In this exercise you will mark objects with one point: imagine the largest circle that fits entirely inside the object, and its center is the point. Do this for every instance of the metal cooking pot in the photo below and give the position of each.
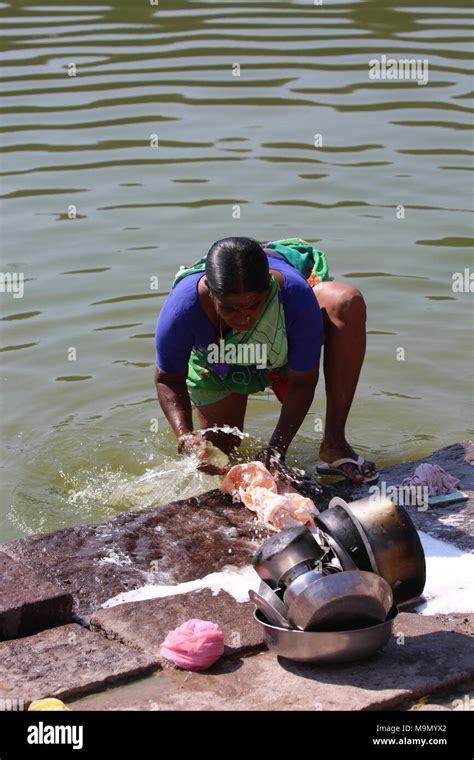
(287, 554)
(339, 556)
(336, 522)
(391, 541)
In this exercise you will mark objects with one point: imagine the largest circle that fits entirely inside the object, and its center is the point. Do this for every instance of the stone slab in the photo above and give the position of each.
(144, 625)
(170, 544)
(64, 661)
(437, 654)
(29, 601)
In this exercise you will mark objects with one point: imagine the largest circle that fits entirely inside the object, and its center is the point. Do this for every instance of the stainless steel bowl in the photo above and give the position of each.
(352, 599)
(272, 613)
(327, 647)
(294, 589)
(274, 597)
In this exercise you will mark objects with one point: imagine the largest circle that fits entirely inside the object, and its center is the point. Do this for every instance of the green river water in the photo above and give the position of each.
(92, 212)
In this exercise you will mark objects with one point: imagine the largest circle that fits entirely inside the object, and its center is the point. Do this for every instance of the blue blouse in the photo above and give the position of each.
(183, 324)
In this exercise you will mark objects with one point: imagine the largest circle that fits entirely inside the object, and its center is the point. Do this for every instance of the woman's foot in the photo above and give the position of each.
(357, 473)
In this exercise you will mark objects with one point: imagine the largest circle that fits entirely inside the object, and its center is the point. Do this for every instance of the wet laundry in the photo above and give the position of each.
(275, 503)
(433, 477)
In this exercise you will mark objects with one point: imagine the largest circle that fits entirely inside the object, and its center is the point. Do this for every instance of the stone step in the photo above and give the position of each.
(65, 661)
(28, 601)
(143, 625)
(169, 544)
(425, 655)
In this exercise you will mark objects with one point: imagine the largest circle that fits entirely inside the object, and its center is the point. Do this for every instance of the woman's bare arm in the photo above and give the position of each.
(295, 407)
(174, 400)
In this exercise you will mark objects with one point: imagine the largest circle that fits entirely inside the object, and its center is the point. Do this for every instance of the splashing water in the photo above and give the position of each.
(92, 480)
(173, 479)
(170, 481)
(224, 429)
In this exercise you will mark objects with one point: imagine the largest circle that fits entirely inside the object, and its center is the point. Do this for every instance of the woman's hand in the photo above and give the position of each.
(274, 461)
(193, 444)
(271, 458)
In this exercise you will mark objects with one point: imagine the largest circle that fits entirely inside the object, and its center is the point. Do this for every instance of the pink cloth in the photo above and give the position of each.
(194, 645)
(438, 480)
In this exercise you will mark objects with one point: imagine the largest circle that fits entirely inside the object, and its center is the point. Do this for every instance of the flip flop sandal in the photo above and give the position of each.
(333, 468)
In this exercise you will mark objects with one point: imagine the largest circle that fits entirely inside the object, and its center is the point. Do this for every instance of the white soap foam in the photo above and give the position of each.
(235, 580)
(449, 578)
(115, 557)
(449, 581)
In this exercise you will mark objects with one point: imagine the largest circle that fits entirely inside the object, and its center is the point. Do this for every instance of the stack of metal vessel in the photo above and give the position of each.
(331, 593)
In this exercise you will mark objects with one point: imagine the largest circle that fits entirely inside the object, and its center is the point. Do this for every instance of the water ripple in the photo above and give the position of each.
(164, 128)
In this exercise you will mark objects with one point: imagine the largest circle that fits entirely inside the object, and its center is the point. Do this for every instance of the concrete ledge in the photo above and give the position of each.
(454, 523)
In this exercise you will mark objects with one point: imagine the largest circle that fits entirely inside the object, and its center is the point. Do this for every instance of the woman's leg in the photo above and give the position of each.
(230, 411)
(344, 315)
